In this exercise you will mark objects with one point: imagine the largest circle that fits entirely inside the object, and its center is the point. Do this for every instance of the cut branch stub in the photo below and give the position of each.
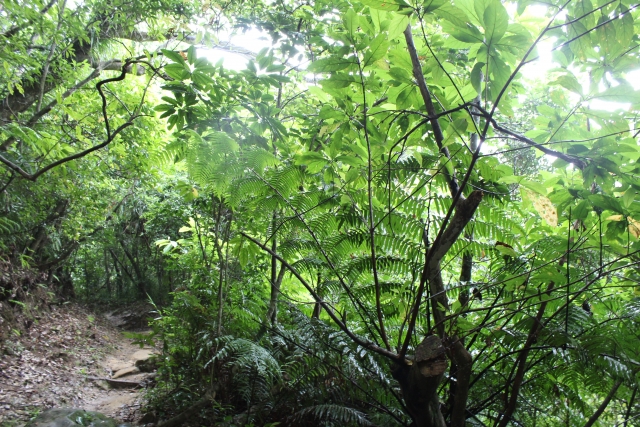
(430, 356)
(430, 348)
(419, 382)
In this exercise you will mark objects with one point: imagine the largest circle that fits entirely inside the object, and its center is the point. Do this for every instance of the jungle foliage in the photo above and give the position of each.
(400, 213)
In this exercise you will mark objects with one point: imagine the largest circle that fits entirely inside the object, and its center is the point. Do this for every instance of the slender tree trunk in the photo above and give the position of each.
(591, 421)
(273, 302)
(139, 279)
(107, 273)
(272, 312)
(41, 237)
(317, 308)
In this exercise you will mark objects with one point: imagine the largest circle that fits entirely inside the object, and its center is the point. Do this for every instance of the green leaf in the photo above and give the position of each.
(192, 55)
(479, 9)
(568, 81)
(606, 202)
(624, 29)
(477, 76)
(621, 93)
(534, 186)
(581, 45)
(584, 9)
(377, 49)
(473, 11)
(314, 162)
(582, 210)
(466, 33)
(397, 25)
(338, 81)
(350, 20)
(176, 71)
(330, 64)
(607, 37)
(453, 15)
(174, 56)
(392, 5)
(431, 5)
(496, 21)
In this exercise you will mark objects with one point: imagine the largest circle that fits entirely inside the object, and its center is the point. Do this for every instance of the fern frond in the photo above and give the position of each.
(333, 413)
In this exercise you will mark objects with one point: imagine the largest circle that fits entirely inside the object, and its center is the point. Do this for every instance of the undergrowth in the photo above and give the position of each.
(299, 372)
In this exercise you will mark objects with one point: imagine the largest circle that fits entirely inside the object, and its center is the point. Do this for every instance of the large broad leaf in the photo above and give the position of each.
(174, 56)
(330, 64)
(581, 44)
(453, 15)
(377, 49)
(496, 21)
(477, 77)
(397, 25)
(543, 206)
(466, 33)
(622, 93)
(584, 9)
(338, 81)
(351, 21)
(605, 202)
(392, 5)
(431, 5)
(607, 38)
(624, 27)
(568, 81)
(471, 9)
(177, 71)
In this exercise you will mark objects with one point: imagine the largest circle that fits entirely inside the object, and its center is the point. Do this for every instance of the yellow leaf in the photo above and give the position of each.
(634, 227)
(544, 207)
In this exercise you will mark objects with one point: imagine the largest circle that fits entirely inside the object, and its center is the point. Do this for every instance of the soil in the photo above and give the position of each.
(68, 357)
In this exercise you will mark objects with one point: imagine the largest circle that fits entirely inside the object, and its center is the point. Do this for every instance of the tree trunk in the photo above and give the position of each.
(272, 312)
(419, 382)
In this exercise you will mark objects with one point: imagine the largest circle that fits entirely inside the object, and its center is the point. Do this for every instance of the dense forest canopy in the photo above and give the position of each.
(400, 213)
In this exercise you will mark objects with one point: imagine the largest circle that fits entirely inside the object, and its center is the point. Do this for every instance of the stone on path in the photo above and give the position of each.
(143, 354)
(126, 371)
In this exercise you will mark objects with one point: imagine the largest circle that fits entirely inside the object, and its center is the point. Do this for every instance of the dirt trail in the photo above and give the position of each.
(69, 357)
(121, 397)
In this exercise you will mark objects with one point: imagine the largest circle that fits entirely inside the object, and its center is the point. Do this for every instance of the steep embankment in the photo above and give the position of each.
(70, 357)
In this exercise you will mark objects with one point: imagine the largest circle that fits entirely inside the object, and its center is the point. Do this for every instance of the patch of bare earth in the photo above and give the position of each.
(69, 357)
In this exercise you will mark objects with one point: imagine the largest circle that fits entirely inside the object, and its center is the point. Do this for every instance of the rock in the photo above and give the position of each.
(145, 360)
(148, 365)
(71, 417)
(126, 371)
(143, 354)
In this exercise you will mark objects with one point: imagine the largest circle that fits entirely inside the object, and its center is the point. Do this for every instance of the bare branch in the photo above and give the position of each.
(431, 110)
(577, 162)
(110, 135)
(591, 421)
(521, 362)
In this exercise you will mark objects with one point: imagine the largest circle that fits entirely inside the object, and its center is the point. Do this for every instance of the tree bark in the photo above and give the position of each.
(419, 382)
(272, 312)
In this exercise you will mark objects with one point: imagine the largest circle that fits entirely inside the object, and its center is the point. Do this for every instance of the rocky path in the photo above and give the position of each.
(128, 370)
(69, 357)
